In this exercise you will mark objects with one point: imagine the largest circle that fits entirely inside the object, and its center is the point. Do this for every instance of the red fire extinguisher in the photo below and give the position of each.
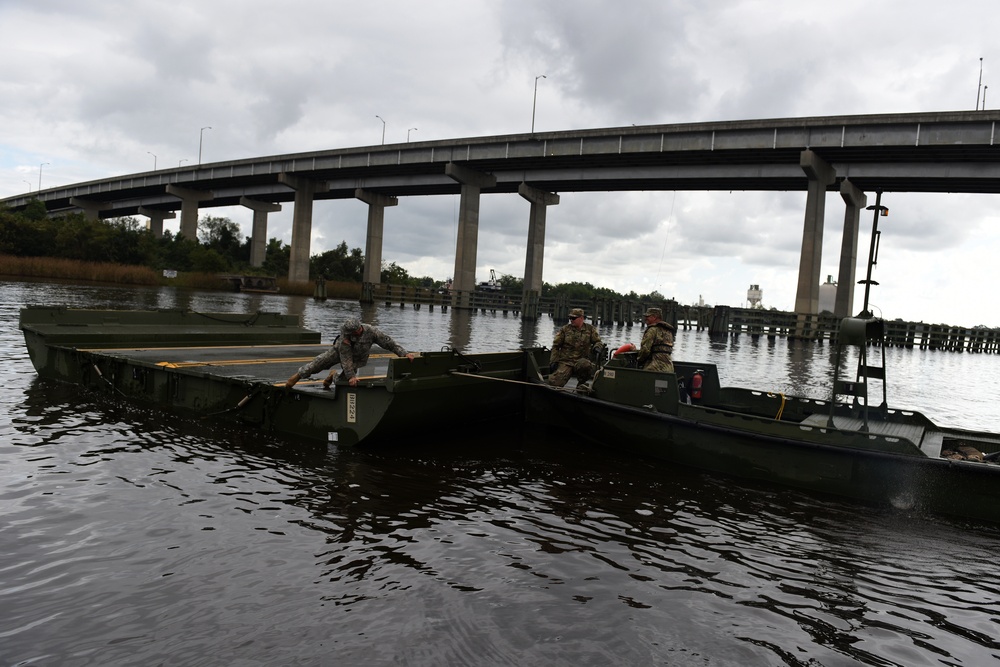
(696, 381)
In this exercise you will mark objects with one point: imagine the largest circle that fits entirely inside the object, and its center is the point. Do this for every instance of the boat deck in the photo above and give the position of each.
(929, 442)
(272, 364)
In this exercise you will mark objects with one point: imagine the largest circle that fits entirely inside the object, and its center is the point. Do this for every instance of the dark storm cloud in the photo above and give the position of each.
(626, 63)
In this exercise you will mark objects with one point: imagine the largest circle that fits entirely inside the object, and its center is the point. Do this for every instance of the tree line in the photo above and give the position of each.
(218, 249)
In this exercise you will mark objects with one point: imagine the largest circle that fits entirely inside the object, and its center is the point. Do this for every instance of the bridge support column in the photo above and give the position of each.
(820, 175)
(258, 238)
(91, 209)
(468, 225)
(540, 200)
(156, 217)
(189, 208)
(373, 240)
(856, 201)
(305, 191)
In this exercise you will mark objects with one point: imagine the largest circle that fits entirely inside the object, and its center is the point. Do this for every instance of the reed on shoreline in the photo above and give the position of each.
(54, 268)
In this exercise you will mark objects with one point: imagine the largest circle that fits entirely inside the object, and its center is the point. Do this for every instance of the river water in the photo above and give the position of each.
(131, 538)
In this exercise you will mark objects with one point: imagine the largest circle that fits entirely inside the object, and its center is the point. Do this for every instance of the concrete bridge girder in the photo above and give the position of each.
(190, 201)
(92, 209)
(820, 176)
(258, 237)
(156, 217)
(373, 238)
(472, 182)
(534, 256)
(306, 190)
(855, 202)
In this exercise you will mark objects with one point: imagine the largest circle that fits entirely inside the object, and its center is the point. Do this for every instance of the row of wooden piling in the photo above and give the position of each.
(718, 320)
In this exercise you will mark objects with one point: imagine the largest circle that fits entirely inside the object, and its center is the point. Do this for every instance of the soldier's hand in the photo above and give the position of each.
(290, 382)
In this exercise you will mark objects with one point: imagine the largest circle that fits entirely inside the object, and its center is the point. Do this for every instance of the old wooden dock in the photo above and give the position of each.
(717, 320)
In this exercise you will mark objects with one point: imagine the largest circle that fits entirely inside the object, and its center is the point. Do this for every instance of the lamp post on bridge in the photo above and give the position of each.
(383, 125)
(29, 186)
(980, 88)
(201, 134)
(179, 162)
(985, 88)
(154, 160)
(534, 100)
(40, 175)
(408, 134)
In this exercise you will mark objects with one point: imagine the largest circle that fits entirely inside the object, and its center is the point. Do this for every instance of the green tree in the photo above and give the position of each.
(223, 236)
(277, 257)
(511, 284)
(208, 260)
(338, 264)
(395, 274)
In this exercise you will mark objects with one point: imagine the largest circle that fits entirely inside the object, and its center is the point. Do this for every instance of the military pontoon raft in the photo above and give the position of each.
(233, 367)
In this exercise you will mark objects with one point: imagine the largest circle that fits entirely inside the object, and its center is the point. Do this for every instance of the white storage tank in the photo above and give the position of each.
(827, 295)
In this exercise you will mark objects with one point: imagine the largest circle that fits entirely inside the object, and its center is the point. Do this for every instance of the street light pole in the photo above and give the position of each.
(408, 134)
(383, 125)
(984, 97)
(29, 186)
(40, 175)
(534, 100)
(980, 83)
(208, 127)
(154, 160)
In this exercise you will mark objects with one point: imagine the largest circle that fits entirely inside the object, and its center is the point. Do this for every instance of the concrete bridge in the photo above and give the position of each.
(852, 155)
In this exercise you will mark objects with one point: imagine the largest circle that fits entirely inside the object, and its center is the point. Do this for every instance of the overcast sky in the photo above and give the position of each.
(97, 89)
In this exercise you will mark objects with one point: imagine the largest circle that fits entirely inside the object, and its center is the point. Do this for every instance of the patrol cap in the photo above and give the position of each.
(655, 312)
(350, 326)
(575, 313)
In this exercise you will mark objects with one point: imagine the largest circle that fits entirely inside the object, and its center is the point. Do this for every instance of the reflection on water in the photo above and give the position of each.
(131, 538)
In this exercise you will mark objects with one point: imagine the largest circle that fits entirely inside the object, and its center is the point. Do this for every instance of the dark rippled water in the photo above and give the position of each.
(127, 538)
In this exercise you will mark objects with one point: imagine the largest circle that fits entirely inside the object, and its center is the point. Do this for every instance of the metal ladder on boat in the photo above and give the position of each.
(861, 333)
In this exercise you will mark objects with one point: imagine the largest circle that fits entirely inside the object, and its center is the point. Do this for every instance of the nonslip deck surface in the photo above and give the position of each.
(928, 441)
(264, 363)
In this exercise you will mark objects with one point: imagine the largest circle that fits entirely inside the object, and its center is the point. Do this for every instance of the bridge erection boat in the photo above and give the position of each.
(233, 367)
(838, 446)
(850, 443)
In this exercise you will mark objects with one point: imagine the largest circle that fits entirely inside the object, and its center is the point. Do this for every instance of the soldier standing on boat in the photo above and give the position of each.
(352, 351)
(657, 344)
(571, 350)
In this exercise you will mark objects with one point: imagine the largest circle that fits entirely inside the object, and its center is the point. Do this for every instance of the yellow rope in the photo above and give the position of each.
(782, 408)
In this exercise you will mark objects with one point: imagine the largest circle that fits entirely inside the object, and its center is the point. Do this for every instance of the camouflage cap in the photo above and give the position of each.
(575, 313)
(350, 326)
(655, 312)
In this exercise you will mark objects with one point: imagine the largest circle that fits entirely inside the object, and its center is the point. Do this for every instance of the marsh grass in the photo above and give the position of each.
(72, 269)
(54, 268)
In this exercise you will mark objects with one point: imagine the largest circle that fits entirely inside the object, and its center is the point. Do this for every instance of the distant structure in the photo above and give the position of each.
(828, 295)
(755, 296)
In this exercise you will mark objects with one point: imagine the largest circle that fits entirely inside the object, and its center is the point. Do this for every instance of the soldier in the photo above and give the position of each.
(352, 352)
(571, 350)
(657, 344)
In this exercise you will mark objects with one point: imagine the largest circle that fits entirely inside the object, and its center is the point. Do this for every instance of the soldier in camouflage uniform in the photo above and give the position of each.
(352, 352)
(657, 344)
(571, 350)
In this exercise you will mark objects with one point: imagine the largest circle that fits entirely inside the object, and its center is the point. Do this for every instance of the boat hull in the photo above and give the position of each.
(233, 369)
(800, 450)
